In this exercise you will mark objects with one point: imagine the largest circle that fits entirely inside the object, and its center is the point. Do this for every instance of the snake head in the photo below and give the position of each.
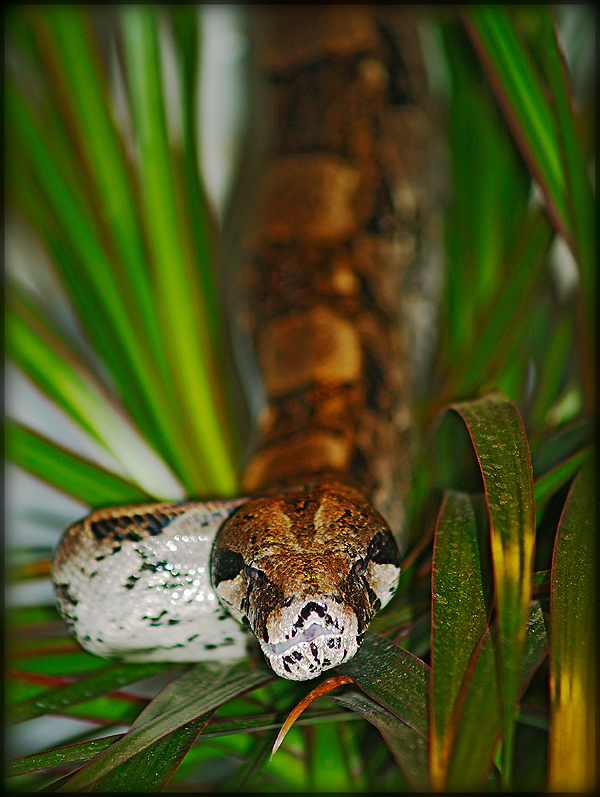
(306, 570)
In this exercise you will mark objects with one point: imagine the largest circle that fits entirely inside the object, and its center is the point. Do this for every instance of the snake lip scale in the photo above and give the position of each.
(327, 640)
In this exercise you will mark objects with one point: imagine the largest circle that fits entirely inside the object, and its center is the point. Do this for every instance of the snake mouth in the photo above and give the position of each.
(307, 635)
(308, 638)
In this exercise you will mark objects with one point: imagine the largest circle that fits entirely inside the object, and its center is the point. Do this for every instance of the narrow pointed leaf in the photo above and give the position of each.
(407, 746)
(83, 751)
(549, 453)
(550, 482)
(58, 756)
(58, 371)
(92, 287)
(500, 443)
(111, 677)
(477, 721)
(85, 93)
(394, 678)
(580, 197)
(185, 330)
(151, 769)
(72, 474)
(520, 91)
(187, 39)
(481, 224)
(500, 332)
(318, 691)
(59, 215)
(102, 263)
(200, 690)
(459, 619)
(572, 751)
(478, 714)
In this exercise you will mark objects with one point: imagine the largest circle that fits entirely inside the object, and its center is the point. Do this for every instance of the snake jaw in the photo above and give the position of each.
(308, 637)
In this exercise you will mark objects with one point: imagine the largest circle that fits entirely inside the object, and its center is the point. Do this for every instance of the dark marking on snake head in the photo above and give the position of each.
(311, 607)
(373, 599)
(383, 550)
(226, 565)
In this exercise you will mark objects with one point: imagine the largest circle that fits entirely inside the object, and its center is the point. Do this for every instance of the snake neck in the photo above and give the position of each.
(341, 229)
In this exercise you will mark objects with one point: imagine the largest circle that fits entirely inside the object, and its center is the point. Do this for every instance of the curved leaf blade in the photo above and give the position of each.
(500, 443)
(572, 756)
(394, 678)
(459, 620)
(58, 756)
(152, 768)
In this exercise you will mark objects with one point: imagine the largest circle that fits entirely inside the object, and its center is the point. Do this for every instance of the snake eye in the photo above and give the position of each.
(359, 567)
(253, 572)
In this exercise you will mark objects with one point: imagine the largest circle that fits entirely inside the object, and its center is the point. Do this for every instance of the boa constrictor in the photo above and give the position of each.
(307, 558)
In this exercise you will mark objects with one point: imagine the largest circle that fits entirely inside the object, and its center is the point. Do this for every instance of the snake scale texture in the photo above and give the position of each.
(342, 224)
